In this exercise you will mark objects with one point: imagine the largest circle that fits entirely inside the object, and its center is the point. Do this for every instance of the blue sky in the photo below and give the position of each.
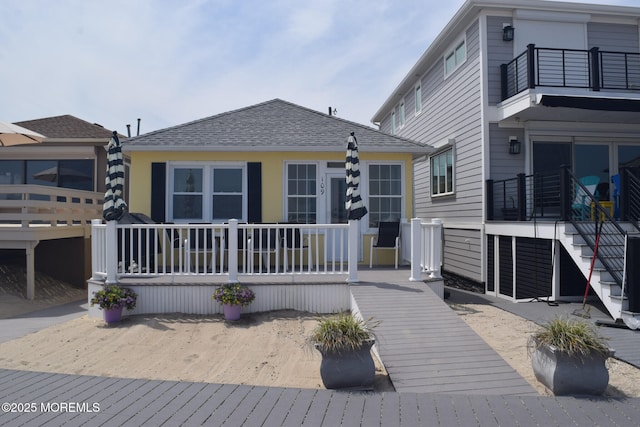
(169, 62)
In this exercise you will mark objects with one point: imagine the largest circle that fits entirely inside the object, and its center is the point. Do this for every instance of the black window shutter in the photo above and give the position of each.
(158, 191)
(254, 196)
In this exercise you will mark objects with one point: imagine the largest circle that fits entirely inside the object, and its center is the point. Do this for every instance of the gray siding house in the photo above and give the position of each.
(533, 111)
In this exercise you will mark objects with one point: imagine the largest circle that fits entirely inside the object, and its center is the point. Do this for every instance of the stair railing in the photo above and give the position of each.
(587, 223)
(630, 196)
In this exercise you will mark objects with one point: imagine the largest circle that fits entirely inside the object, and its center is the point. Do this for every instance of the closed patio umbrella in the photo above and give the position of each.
(11, 134)
(114, 205)
(354, 204)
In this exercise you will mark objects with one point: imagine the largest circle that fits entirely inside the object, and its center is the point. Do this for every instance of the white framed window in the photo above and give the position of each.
(442, 172)
(301, 193)
(393, 122)
(455, 57)
(228, 196)
(385, 192)
(200, 192)
(187, 194)
(418, 98)
(402, 115)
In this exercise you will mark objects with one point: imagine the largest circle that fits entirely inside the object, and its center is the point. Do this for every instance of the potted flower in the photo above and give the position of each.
(112, 299)
(568, 356)
(233, 296)
(345, 342)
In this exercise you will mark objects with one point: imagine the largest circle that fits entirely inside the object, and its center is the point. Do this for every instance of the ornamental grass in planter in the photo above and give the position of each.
(345, 342)
(569, 357)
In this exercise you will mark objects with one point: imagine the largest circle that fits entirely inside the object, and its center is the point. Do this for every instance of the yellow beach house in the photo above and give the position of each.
(274, 162)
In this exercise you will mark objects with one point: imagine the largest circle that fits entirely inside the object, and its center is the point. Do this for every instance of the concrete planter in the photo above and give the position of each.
(570, 375)
(352, 370)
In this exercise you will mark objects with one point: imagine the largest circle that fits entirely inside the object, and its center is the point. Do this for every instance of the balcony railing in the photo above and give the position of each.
(28, 205)
(570, 68)
(552, 196)
(233, 249)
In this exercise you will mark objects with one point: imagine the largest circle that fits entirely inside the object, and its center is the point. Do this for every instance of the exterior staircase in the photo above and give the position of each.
(608, 271)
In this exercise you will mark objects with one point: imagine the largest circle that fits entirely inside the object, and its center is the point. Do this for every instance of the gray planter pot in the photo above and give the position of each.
(352, 370)
(570, 375)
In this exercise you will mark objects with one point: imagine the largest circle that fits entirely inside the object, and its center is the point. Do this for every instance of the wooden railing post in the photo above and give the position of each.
(353, 242)
(416, 250)
(111, 251)
(233, 250)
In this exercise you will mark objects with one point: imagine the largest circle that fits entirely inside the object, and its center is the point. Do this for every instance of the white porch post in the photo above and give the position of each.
(95, 248)
(436, 249)
(111, 254)
(354, 242)
(233, 250)
(416, 250)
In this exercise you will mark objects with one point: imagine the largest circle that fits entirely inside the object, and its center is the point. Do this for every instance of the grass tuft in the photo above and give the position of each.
(573, 337)
(344, 332)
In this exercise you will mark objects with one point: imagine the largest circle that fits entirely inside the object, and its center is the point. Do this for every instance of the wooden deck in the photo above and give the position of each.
(118, 401)
(444, 375)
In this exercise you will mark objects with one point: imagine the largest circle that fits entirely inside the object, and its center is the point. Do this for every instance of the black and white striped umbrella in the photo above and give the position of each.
(114, 205)
(354, 204)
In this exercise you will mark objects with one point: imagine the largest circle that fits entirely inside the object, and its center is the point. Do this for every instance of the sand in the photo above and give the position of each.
(508, 335)
(266, 349)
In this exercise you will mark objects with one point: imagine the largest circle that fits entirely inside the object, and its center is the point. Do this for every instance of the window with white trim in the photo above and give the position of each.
(442, 173)
(455, 57)
(393, 122)
(402, 115)
(385, 193)
(227, 200)
(418, 97)
(301, 184)
(207, 193)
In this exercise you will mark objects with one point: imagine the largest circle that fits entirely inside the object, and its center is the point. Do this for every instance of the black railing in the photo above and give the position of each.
(562, 196)
(573, 68)
(597, 221)
(630, 195)
(524, 197)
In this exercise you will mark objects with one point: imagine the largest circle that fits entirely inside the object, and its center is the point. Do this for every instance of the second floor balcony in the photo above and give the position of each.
(594, 70)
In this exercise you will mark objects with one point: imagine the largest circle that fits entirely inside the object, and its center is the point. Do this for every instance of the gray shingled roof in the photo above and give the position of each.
(66, 127)
(274, 125)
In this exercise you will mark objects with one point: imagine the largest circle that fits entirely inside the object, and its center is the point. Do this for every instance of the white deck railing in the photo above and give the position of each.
(27, 205)
(233, 249)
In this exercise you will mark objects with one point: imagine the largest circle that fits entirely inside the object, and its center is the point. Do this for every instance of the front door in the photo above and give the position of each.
(337, 243)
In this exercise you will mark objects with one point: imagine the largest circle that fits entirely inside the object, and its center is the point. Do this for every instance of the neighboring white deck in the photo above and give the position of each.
(30, 214)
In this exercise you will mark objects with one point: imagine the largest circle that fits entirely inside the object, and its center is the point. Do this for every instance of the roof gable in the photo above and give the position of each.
(274, 125)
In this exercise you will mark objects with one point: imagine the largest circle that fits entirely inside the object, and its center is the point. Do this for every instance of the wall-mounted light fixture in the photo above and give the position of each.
(507, 32)
(514, 145)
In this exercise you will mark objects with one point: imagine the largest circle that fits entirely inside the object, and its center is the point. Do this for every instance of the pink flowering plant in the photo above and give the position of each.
(113, 296)
(233, 294)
